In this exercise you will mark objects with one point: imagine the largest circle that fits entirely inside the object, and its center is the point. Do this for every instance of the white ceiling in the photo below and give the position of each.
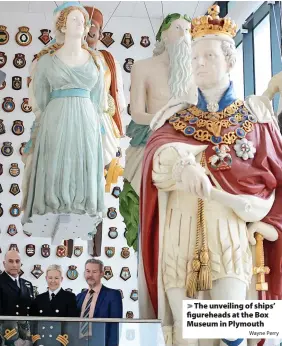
(125, 8)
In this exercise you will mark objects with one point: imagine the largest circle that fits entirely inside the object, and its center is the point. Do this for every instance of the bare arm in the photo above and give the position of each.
(274, 86)
(138, 96)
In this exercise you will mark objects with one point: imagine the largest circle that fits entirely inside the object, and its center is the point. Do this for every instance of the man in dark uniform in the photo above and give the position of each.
(16, 295)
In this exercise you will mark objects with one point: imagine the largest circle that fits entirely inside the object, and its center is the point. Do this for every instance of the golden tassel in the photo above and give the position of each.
(193, 281)
(201, 278)
(205, 276)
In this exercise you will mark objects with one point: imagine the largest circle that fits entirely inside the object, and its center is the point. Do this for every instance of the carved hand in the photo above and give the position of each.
(195, 181)
(266, 230)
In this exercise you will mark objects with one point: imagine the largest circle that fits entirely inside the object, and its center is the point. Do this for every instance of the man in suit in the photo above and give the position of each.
(99, 301)
(56, 302)
(16, 295)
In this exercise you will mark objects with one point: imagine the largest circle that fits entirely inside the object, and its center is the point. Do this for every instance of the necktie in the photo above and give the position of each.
(17, 283)
(85, 325)
(53, 296)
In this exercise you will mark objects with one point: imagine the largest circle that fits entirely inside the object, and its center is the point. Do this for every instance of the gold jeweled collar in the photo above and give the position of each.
(207, 126)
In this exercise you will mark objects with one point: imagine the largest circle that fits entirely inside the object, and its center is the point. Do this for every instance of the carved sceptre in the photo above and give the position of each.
(241, 205)
(260, 270)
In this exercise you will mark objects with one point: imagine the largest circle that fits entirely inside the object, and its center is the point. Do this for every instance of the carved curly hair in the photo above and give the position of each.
(60, 24)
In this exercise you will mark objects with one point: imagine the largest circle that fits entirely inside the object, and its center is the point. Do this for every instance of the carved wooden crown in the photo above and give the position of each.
(212, 24)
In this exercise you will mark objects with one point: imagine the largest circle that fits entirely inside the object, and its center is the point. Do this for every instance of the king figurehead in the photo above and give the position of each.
(211, 190)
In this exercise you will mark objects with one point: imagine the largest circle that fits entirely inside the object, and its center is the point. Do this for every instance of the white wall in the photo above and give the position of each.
(137, 27)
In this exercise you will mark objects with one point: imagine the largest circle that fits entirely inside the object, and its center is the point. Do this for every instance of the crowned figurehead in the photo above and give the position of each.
(211, 157)
(212, 26)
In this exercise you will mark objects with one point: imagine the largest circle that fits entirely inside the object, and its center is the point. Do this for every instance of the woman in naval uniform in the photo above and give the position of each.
(55, 302)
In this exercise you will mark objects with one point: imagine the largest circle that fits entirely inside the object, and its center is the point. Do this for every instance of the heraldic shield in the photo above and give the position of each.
(108, 273)
(109, 251)
(12, 230)
(72, 273)
(125, 273)
(37, 271)
(30, 250)
(45, 250)
(78, 250)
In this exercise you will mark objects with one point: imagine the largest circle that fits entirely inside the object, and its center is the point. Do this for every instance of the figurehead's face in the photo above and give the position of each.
(209, 63)
(72, 22)
(178, 28)
(93, 34)
(75, 24)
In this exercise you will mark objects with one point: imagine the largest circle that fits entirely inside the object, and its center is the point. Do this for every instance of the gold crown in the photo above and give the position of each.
(212, 24)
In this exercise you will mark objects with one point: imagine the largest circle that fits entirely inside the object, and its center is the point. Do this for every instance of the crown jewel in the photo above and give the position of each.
(212, 24)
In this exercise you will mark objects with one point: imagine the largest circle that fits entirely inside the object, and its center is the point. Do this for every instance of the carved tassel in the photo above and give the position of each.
(205, 277)
(193, 280)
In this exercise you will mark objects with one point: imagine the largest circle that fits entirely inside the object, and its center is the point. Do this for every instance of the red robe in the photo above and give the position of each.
(258, 176)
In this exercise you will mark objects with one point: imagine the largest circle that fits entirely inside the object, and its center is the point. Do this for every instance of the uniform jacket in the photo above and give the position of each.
(62, 305)
(15, 301)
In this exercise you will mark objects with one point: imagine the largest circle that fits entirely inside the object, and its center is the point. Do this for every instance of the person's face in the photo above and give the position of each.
(208, 63)
(93, 34)
(178, 28)
(12, 263)
(92, 274)
(75, 24)
(54, 279)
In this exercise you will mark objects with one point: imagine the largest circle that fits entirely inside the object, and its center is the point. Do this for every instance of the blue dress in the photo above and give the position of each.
(67, 173)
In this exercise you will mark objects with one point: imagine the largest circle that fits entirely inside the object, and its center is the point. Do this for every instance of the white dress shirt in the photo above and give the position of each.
(55, 292)
(15, 279)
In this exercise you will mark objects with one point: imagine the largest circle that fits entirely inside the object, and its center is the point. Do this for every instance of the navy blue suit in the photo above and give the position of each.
(108, 305)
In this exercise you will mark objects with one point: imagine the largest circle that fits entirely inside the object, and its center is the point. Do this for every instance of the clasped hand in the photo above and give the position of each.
(266, 230)
(195, 181)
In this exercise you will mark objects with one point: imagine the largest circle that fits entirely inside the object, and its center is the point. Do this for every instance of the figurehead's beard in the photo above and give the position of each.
(180, 70)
